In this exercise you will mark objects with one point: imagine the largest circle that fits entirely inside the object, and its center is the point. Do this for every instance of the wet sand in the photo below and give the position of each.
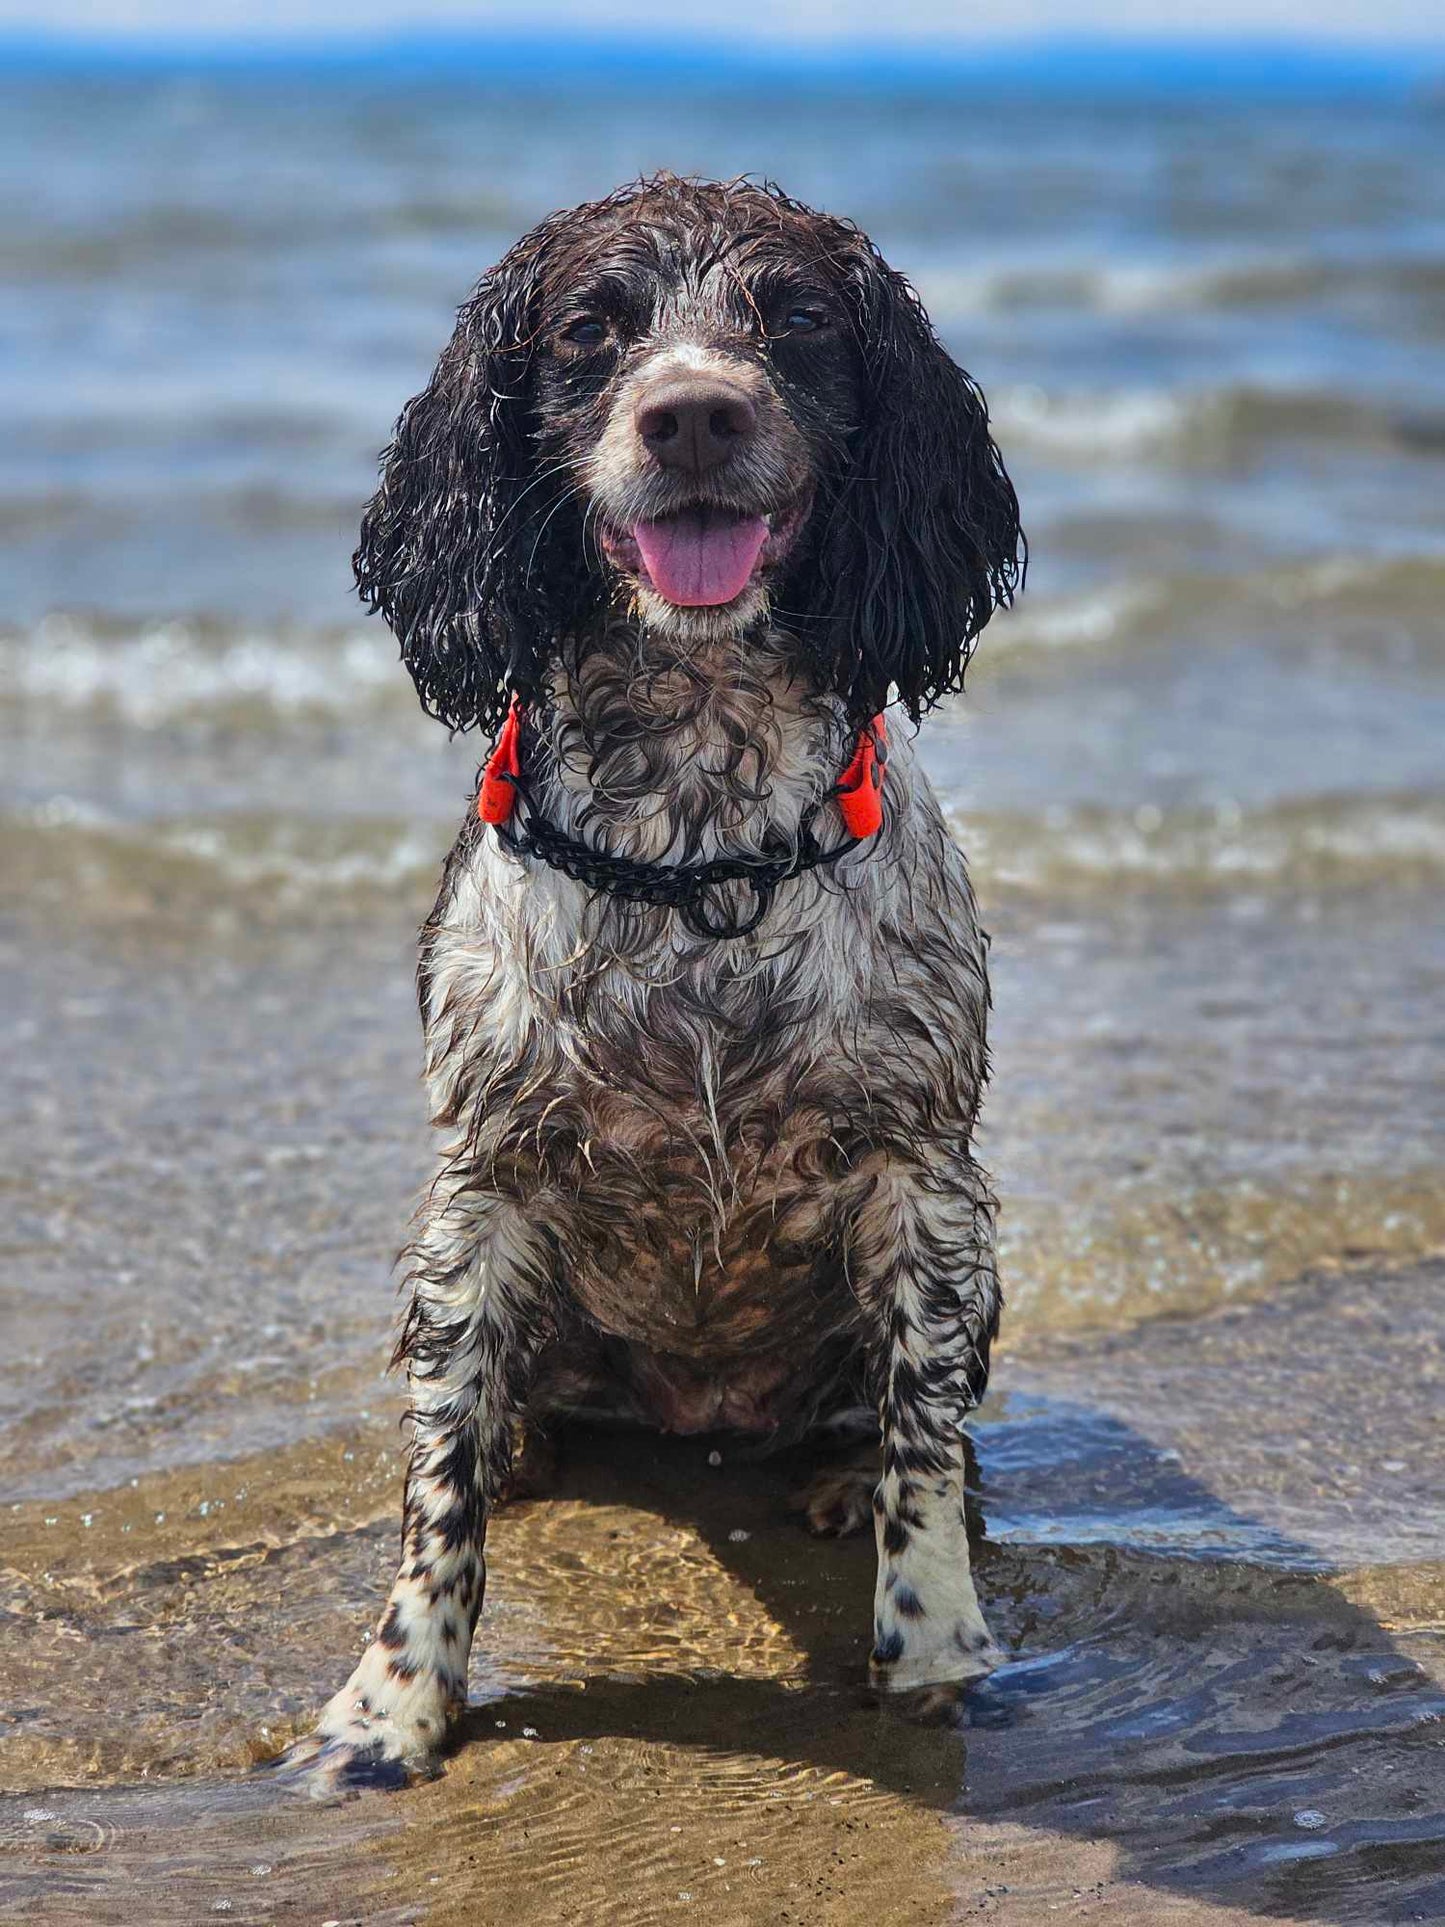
(1211, 1543)
(1224, 1609)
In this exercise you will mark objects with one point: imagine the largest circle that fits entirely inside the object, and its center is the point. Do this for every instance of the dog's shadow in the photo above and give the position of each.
(1186, 1687)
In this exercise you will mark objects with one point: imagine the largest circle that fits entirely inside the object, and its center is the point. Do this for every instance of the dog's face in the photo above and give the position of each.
(700, 387)
(712, 407)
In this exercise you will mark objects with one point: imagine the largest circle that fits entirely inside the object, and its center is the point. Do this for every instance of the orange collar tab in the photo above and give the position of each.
(497, 796)
(859, 789)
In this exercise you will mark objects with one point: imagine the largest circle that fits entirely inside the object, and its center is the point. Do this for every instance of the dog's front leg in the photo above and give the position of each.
(482, 1279)
(922, 1264)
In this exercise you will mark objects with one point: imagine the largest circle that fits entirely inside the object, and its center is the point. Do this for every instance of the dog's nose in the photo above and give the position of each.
(695, 423)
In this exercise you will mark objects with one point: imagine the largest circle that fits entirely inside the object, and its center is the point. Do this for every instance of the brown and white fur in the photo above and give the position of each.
(695, 1182)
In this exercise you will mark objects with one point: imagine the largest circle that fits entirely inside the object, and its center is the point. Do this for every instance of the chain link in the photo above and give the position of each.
(683, 887)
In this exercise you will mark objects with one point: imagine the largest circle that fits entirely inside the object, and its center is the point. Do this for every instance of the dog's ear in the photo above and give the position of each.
(448, 549)
(922, 541)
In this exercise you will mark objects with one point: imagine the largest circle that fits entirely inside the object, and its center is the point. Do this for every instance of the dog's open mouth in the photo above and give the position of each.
(702, 557)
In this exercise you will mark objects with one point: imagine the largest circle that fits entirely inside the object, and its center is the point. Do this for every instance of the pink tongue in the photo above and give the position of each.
(700, 557)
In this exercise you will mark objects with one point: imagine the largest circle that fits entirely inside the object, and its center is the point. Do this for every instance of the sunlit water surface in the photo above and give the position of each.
(1199, 778)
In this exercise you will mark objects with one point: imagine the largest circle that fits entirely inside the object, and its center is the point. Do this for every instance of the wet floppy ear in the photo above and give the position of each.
(438, 550)
(923, 541)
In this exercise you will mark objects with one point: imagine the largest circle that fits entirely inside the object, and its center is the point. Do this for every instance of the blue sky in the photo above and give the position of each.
(901, 24)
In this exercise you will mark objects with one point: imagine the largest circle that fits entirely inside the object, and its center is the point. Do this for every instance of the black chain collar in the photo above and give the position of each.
(684, 887)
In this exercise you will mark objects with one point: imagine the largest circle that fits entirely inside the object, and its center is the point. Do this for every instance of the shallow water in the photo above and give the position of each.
(1199, 779)
(1225, 1693)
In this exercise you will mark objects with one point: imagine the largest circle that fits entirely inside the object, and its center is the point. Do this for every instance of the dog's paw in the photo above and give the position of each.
(384, 1729)
(945, 1703)
(340, 1766)
(932, 1665)
(839, 1501)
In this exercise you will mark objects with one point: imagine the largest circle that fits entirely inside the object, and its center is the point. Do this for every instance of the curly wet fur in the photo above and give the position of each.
(696, 1183)
(476, 546)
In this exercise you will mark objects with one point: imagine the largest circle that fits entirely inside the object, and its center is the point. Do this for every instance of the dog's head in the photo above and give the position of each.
(715, 405)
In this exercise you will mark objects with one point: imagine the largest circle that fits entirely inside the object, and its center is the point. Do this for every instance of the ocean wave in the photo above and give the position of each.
(96, 864)
(1309, 844)
(78, 863)
(1331, 593)
(153, 674)
(178, 238)
(203, 670)
(1094, 618)
(1202, 425)
(1147, 288)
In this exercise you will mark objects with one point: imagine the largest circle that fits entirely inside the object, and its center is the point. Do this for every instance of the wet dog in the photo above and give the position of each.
(693, 496)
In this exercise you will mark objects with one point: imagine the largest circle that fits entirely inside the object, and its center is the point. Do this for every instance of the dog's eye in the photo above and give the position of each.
(804, 321)
(587, 331)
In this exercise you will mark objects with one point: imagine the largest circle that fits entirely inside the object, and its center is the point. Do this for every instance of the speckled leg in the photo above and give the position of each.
(481, 1279)
(923, 1266)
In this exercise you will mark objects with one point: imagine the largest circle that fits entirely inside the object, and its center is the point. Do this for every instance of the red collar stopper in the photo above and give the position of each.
(859, 788)
(497, 797)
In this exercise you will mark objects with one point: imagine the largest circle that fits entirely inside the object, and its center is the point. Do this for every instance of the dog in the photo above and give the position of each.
(693, 497)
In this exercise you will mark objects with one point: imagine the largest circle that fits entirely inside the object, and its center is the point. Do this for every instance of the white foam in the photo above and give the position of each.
(294, 856)
(1096, 284)
(173, 669)
(1104, 425)
(279, 855)
(1323, 843)
(1091, 618)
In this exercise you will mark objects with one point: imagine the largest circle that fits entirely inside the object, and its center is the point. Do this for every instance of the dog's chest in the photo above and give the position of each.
(696, 1171)
(709, 1245)
(682, 1137)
